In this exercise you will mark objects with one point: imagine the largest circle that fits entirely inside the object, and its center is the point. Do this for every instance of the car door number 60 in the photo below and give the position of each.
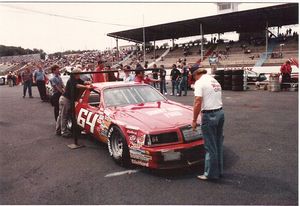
(85, 118)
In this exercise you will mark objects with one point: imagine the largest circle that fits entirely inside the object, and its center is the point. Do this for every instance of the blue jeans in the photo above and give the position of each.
(163, 86)
(183, 85)
(174, 86)
(212, 129)
(27, 84)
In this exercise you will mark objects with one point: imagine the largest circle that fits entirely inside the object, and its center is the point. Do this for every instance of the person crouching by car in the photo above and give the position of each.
(58, 89)
(75, 84)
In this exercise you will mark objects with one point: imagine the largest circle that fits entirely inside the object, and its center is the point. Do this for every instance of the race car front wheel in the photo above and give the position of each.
(118, 147)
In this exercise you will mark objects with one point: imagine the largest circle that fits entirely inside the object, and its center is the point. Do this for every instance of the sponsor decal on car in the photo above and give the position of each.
(139, 162)
(135, 154)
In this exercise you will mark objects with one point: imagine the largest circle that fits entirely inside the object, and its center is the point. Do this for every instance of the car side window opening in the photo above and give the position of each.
(94, 99)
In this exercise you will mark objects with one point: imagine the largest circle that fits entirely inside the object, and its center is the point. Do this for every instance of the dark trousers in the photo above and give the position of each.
(27, 84)
(163, 86)
(42, 89)
(55, 103)
(212, 130)
(286, 78)
(174, 86)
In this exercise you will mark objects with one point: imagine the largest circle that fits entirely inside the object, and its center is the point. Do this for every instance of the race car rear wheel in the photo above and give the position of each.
(118, 147)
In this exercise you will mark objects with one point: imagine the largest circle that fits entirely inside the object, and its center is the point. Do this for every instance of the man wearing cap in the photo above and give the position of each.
(65, 101)
(127, 77)
(208, 101)
(100, 77)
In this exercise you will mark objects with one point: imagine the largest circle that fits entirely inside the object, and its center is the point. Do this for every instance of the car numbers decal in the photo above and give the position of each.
(86, 117)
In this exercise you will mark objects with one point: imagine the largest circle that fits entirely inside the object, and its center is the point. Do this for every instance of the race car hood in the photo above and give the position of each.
(156, 116)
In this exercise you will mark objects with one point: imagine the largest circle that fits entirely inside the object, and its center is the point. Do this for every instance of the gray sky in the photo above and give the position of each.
(33, 25)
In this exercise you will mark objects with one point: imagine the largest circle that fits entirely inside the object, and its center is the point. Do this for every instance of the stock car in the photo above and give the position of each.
(140, 125)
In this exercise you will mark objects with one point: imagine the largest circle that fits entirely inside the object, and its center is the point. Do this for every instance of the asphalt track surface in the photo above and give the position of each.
(261, 158)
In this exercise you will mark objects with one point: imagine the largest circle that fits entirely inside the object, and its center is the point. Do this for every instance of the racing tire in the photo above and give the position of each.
(227, 77)
(219, 72)
(117, 147)
(227, 87)
(228, 72)
(237, 72)
(237, 88)
(237, 83)
(227, 82)
(237, 78)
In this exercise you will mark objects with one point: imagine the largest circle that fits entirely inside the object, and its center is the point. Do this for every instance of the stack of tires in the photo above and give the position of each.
(237, 80)
(219, 76)
(227, 80)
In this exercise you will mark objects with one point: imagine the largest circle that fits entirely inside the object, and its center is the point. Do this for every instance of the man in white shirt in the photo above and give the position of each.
(208, 101)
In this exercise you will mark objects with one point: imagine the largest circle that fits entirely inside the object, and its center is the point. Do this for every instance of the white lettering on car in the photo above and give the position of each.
(85, 118)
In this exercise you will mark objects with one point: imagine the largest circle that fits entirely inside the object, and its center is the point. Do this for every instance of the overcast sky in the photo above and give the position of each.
(48, 26)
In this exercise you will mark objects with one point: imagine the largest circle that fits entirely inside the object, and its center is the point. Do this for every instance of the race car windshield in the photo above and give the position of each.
(131, 95)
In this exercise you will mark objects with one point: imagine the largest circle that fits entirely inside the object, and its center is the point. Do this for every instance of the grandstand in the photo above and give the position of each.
(230, 54)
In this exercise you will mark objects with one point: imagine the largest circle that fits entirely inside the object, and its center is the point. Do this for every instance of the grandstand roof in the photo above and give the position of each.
(242, 21)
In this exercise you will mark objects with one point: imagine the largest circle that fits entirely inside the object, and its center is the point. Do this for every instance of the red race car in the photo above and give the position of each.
(140, 125)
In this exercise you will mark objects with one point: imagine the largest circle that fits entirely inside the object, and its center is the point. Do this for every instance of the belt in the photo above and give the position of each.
(210, 111)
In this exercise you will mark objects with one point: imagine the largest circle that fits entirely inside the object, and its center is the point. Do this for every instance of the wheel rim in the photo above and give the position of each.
(117, 145)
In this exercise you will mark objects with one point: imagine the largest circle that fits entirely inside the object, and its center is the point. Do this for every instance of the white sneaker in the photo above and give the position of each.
(202, 177)
(166, 93)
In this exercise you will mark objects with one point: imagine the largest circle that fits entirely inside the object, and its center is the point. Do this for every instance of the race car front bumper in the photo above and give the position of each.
(169, 157)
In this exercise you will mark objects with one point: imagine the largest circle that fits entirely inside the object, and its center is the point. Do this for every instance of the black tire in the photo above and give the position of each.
(227, 87)
(228, 72)
(237, 82)
(117, 146)
(237, 88)
(219, 72)
(237, 72)
(237, 78)
(227, 83)
(227, 77)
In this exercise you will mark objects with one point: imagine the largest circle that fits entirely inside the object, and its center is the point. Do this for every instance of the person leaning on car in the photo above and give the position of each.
(66, 99)
(208, 101)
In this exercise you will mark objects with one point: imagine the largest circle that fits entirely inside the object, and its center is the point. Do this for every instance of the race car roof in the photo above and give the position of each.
(104, 85)
(242, 21)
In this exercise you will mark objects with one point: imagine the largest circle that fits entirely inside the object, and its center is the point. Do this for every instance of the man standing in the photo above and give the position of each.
(175, 73)
(286, 71)
(162, 74)
(39, 78)
(128, 77)
(27, 82)
(100, 77)
(155, 75)
(66, 99)
(58, 89)
(184, 79)
(208, 101)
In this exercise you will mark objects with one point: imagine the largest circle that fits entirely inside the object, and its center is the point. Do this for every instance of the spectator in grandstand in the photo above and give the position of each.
(155, 72)
(74, 84)
(128, 77)
(58, 89)
(27, 82)
(286, 71)
(175, 74)
(39, 78)
(100, 77)
(163, 84)
(184, 79)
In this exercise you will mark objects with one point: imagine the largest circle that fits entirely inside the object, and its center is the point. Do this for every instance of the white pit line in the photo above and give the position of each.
(114, 174)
